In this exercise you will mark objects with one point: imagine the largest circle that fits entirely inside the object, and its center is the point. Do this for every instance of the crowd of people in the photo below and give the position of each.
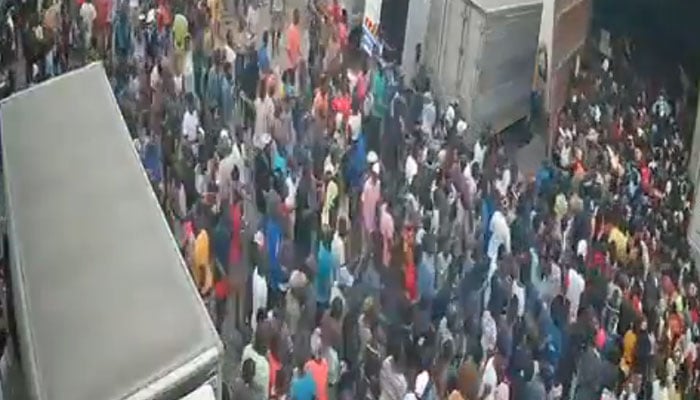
(365, 246)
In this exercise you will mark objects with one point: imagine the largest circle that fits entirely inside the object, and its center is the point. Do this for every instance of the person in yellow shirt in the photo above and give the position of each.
(619, 240)
(215, 10)
(629, 347)
(201, 263)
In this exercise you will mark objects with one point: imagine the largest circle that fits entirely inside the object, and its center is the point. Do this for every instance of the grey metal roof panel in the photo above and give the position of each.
(490, 6)
(105, 300)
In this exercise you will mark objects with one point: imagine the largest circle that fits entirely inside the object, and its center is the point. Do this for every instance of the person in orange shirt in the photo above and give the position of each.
(294, 41)
(273, 357)
(343, 103)
(320, 105)
(317, 366)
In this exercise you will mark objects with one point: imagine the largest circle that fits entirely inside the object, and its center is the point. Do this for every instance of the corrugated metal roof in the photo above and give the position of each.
(105, 304)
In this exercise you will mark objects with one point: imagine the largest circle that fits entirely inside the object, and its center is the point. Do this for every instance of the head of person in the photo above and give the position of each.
(248, 371)
(300, 364)
(190, 102)
(265, 38)
(336, 311)
(342, 227)
(296, 18)
(260, 341)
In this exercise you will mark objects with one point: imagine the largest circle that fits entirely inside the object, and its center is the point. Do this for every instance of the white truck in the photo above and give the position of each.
(482, 54)
(100, 303)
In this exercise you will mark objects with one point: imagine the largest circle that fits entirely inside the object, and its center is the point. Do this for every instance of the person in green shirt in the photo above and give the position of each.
(378, 94)
(377, 102)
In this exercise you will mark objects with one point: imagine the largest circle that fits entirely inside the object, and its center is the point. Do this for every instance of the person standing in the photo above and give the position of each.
(386, 227)
(122, 35)
(294, 41)
(227, 103)
(88, 13)
(257, 353)
(201, 263)
(244, 388)
(277, 9)
(238, 268)
(303, 385)
(318, 368)
(370, 199)
(102, 25)
(324, 275)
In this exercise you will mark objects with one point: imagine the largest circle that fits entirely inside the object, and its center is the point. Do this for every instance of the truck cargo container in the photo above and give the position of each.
(100, 303)
(482, 53)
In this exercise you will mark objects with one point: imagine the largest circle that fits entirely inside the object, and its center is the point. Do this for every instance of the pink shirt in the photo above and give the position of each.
(371, 193)
(386, 226)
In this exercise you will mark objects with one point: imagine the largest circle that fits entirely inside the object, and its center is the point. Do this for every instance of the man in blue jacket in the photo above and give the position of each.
(357, 157)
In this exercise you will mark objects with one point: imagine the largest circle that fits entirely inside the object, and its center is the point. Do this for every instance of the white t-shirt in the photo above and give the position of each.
(259, 296)
(252, 19)
(519, 292)
(500, 235)
(411, 169)
(88, 14)
(190, 125)
(479, 153)
(338, 249)
(155, 78)
(573, 293)
(230, 55)
(489, 378)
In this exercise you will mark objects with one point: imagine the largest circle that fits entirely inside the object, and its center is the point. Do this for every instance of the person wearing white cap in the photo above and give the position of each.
(330, 196)
(370, 198)
(259, 283)
(358, 155)
(372, 157)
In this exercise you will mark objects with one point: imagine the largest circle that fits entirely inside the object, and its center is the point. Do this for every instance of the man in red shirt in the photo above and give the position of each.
(335, 11)
(238, 271)
(103, 24)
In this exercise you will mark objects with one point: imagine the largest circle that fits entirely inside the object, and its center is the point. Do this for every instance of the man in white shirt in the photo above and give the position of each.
(259, 284)
(338, 243)
(88, 13)
(252, 18)
(480, 152)
(574, 291)
(500, 235)
(190, 121)
(503, 183)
